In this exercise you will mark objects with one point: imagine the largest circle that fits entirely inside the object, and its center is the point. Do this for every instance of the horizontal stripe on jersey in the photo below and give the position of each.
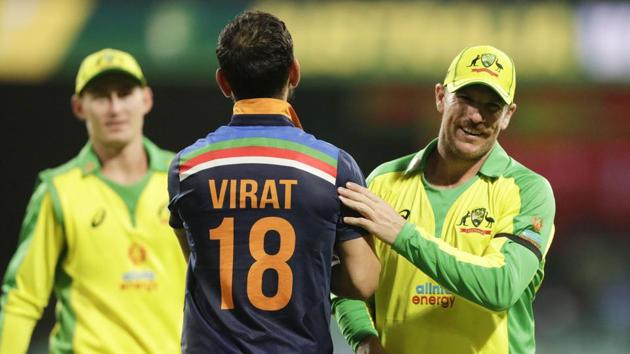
(260, 151)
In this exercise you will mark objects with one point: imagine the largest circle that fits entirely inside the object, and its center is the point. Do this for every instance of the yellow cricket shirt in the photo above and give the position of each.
(110, 256)
(462, 274)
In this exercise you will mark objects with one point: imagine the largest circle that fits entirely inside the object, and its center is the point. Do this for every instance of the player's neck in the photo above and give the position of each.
(125, 164)
(446, 172)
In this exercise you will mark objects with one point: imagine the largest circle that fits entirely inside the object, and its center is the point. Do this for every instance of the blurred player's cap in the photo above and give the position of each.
(105, 61)
(485, 65)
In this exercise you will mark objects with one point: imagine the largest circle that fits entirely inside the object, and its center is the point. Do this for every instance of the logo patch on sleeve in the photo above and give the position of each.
(537, 223)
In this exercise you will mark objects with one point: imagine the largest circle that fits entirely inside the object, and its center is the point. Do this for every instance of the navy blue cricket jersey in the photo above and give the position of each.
(259, 203)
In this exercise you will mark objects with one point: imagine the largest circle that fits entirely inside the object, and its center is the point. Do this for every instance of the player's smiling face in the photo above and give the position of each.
(113, 107)
(472, 118)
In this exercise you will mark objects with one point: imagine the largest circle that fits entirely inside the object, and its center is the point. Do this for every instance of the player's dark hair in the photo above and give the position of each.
(255, 52)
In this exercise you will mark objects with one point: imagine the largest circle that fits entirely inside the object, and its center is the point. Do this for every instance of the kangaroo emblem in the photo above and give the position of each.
(474, 61)
(463, 220)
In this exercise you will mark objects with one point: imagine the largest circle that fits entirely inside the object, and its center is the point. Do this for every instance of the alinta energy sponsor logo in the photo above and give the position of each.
(433, 295)
(139, 279)
(479, 218)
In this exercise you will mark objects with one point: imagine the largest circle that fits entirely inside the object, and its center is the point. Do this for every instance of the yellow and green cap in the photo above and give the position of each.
(105, 61)
(484, 65)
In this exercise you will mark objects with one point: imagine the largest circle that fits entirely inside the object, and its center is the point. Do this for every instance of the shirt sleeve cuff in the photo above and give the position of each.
(408, 231)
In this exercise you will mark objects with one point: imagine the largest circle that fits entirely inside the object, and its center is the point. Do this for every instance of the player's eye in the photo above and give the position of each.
(99, 94)
(493, 107)
(464, 99)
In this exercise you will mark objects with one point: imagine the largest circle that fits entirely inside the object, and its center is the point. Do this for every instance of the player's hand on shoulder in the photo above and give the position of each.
(371, 345)
(378, 217)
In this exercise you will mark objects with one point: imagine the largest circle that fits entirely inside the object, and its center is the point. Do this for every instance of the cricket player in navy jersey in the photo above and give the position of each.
(255, 208)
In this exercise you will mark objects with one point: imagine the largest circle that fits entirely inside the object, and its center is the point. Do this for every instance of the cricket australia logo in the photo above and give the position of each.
(488, 59)
(479, 218)
(490, 64)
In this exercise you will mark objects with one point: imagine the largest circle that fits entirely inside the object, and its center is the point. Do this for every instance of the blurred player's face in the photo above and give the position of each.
(113, 108)
(472, 118)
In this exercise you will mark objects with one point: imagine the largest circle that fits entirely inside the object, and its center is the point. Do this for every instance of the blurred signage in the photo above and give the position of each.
(604, 40)
(384, 41)
(36, 35)
(406, 40)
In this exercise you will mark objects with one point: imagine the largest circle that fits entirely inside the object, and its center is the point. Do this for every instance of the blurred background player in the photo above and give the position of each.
(461, 272)
(96, 231)
(256, 210)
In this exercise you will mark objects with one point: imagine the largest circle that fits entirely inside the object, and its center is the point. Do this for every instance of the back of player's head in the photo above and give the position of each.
(255, 53)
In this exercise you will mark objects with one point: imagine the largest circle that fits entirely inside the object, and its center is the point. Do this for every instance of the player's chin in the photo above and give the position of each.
(117, 139)
(470, 151)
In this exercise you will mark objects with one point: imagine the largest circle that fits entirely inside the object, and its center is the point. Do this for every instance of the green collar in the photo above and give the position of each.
(89, 162)
(494, 166)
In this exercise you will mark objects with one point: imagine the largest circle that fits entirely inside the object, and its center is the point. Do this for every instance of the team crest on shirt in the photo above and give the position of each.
(476, 220)
(137, 254)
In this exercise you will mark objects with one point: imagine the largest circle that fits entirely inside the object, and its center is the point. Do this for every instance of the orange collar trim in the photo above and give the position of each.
(267, 106)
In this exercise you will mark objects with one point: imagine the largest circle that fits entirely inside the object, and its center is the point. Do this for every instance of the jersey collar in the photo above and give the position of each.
(264, 111)
(494, 166)
(89, 162)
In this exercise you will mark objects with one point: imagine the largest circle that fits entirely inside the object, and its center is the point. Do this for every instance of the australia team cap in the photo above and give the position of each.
(106, 61)
(484, 65)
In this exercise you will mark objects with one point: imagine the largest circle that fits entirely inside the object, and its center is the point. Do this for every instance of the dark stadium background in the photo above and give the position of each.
(572, 124)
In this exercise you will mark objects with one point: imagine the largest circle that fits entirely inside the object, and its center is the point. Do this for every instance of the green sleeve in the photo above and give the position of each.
(354, 320)
(493, 281)
(29, 277)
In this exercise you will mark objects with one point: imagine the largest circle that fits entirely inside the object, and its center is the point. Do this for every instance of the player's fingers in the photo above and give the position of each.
(363, 209)
(356, 196)
(360, 222)
(363, 191)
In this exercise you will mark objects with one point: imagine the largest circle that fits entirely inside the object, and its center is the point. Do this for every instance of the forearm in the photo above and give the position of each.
(357, 273)
(494, 280)
(354, 320)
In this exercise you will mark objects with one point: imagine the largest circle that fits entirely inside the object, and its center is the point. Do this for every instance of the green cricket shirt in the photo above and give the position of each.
(108, 254)
(462, 274)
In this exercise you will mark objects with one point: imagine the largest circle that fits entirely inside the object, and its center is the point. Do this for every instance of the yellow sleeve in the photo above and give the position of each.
(30, 276)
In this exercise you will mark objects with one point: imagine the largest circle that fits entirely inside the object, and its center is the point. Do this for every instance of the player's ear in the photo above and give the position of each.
(147, 98)
(224, 85)
(440, 94)
(294, 73)
(505, 122)
(77, 107)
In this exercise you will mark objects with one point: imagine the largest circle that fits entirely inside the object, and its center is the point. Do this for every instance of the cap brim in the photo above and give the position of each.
(456, 85)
